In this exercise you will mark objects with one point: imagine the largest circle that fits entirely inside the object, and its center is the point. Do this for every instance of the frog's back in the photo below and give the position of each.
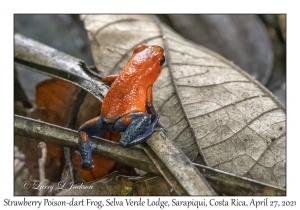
(128, 92)
(122, 98)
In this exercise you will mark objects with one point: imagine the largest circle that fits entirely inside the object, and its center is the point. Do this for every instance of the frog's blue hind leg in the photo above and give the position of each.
(140, 128)
(95, 126)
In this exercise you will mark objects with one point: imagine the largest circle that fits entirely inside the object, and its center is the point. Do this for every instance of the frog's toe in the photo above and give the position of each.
(124, 144)
(86, 165)
(159, 127)
(77, 152)
(93, 146)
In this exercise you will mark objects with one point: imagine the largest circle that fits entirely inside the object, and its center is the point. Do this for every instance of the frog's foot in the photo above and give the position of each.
(157, 125)
(136, 126)
(85, 152)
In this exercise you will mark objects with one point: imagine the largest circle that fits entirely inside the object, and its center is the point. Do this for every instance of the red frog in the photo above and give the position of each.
(128, 105)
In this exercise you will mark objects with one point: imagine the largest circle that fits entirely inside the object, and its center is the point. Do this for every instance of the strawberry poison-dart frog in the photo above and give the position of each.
(127, 106)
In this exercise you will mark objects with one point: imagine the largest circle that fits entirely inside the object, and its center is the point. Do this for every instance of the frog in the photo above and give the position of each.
(128, 105)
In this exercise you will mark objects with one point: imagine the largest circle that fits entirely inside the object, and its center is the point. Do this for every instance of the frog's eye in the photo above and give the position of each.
(162, 61)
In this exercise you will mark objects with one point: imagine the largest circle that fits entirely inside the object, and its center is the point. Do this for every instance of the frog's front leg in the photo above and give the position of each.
(151, 110)
(95, 126)
(109, 79)
(149, 103)
(136, 127)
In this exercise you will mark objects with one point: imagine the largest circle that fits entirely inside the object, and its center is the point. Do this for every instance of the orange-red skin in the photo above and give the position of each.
(83, 136)
(131, 90)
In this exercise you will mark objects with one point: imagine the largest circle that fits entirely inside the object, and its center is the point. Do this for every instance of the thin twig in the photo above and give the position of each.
(71, 124)
(42, 162)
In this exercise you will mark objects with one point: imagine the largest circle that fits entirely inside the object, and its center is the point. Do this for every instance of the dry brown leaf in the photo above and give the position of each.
(53, 104)
(54, 101)
(213, 110)
(233, 37)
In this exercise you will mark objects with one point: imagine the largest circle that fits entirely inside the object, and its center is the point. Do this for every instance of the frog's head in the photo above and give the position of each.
(149, 60)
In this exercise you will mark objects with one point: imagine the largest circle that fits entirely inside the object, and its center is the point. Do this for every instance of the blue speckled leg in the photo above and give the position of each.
(96, 126)
(85, 152)
(92, 127)
(149, 131)
(139, 130)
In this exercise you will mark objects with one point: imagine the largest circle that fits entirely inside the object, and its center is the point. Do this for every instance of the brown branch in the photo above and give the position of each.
(222, 182)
